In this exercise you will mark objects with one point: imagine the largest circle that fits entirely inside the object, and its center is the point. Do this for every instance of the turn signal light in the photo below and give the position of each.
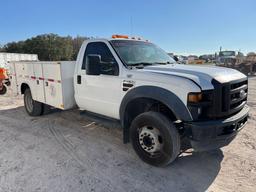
(195, 97)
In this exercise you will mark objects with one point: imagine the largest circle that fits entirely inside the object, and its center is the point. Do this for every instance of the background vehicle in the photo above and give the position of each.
(227, 58)
(231, 59)
(3, 78)
(4, 67)
(248, 64)
(209, 58)
(163, 107)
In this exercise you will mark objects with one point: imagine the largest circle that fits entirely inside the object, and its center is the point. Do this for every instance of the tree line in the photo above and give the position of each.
(48, 47)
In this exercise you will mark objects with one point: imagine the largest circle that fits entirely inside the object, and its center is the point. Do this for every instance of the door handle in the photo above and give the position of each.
(79, 79)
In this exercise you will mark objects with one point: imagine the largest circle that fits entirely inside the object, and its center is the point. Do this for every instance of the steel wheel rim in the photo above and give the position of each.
(150, 140)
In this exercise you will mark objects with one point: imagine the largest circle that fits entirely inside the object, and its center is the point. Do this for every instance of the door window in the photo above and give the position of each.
(109, 65)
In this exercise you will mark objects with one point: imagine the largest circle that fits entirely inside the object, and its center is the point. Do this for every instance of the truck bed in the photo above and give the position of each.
(50, 82)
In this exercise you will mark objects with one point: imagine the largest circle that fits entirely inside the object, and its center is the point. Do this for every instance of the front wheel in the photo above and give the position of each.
(32, 107)
(155, 139)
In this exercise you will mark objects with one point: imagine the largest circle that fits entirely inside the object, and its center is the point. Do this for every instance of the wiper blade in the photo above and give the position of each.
(164, 63)
(141, 64)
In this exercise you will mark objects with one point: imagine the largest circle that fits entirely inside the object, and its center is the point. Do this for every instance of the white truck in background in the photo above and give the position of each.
(5, 58)
(9, 57)
(163, 107)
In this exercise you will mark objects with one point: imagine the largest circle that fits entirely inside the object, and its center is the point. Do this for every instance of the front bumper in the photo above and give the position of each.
(214, 134)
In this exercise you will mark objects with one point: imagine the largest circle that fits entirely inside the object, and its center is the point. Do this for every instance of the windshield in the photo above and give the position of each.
(140, 53)
(227, 53)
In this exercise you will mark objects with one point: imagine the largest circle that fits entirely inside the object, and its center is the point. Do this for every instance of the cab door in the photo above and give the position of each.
(100, 93)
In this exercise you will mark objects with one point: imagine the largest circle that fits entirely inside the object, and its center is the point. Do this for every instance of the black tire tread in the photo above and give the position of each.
(172, 134)
(37, 106)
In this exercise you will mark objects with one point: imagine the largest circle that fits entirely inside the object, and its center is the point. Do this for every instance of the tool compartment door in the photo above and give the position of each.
(39, 82)
(13, 79)
(25, 74)
(52, 84)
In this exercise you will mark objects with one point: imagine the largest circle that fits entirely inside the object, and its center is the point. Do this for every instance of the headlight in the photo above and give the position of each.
(195, 97)
(200, 104)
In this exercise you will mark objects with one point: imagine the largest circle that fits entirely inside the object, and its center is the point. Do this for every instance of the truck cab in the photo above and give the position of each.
(163, 107)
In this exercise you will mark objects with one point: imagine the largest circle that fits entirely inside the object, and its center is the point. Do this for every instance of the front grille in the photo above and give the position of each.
(229, 98)
(237, 96)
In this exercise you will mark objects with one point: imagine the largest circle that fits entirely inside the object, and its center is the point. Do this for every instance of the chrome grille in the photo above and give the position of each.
(237, 96)
(228, 98)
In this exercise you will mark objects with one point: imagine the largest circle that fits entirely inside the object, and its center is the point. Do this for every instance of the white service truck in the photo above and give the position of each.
(163, 107)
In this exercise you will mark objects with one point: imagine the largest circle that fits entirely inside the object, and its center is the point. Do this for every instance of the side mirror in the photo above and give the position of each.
(93, 64)
(175, 58)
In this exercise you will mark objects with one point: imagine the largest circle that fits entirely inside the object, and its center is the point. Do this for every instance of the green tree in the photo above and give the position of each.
(2, 48)
(14, 47)
(77, 43)
(48, 47)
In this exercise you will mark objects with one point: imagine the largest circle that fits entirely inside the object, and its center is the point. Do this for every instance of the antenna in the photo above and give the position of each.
(131, 26)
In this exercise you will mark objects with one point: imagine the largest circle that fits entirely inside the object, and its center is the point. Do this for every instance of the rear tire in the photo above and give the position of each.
(155, 139)
(33, 108)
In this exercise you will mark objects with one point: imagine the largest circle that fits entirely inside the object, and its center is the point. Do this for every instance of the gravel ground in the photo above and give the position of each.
(64, 151)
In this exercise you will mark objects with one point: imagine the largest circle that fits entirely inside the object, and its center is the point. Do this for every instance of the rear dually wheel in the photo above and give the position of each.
(33, 108)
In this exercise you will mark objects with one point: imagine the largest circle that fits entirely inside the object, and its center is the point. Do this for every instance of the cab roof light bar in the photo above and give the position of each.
(116, 36)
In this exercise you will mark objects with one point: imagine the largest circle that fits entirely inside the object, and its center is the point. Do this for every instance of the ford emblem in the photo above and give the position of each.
(242, 93)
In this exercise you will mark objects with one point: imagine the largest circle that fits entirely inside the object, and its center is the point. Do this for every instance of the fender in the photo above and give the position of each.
(168, 98)
(30, 87)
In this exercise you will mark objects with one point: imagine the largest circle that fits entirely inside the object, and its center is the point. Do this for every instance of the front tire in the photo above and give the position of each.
(33, 108)
(155, 139)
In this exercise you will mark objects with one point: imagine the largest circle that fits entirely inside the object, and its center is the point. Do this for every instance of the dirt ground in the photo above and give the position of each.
(64, 151)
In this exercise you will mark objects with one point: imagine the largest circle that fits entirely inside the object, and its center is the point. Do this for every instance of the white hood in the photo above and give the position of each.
(202, 75)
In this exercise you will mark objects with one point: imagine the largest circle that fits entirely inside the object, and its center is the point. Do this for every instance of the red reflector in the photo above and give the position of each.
(33, 77)
(41, 78)
(51, 80)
